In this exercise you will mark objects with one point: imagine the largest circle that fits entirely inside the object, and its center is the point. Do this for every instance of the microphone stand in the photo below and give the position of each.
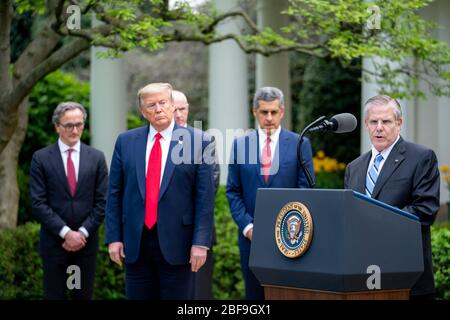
(311, 182)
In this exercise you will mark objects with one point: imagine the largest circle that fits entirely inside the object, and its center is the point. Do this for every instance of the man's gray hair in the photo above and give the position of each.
(383, 100)
(268, 94)
(66, 106)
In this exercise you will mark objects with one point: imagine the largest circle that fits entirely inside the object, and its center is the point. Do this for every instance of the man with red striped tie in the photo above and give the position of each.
(160, 205)
(68, 183)
(263, 158)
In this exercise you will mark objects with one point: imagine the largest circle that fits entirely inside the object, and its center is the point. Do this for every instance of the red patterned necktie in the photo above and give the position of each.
(266, 160)
(152, 183)
(71, 177)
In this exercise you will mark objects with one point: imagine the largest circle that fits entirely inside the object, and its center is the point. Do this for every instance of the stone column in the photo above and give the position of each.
(228, 87)
(108, 102)
(274, 70)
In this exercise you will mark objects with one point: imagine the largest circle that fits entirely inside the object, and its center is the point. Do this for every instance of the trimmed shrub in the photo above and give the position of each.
(440, 241)
(227, 275)
(21, 265)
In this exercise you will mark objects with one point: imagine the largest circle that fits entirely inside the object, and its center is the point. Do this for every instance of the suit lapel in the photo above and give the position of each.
(170, 166)
(280, 151)
(140, 147)
(56, 162)
(253, 140)
(83, 165)
(361, 170)
(393, 161)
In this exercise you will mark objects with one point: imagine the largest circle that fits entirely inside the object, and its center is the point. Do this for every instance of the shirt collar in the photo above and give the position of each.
(166, 133)
(273, 137)
(64, 147)
(385, 153)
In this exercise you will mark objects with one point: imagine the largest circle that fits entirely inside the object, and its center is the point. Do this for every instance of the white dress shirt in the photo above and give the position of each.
(262, 138)
(64, 149)
(166, 136)
(385, 153)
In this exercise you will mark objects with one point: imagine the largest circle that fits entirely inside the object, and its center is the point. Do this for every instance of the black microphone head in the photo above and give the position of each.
(344, 122)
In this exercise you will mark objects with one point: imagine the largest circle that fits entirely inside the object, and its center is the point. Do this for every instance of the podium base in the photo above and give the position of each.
(287, 293)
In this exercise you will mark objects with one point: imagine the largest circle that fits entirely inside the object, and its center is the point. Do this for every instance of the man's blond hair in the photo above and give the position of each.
(153, 88)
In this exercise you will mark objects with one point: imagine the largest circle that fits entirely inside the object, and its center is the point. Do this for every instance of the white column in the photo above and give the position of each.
(370, 89)
(228, 86)
(433, 113)
(108, 102)
(425, 120)
(274, 70)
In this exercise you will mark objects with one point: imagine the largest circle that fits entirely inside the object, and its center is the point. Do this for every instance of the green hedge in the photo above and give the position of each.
(440, 241)
(21, 265)
(227, 275)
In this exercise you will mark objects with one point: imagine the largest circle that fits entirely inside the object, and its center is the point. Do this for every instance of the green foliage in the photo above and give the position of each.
(340, 28)
(134, 121)
(327, 89)
(38, 6)
(21, 267)
(440, 239)
(109, 277)
(20, 263)
(329, 180)
(227, 275)
(46, 95)
(319, 28)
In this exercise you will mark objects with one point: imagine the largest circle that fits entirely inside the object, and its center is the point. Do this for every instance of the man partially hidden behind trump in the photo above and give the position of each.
(400, 173)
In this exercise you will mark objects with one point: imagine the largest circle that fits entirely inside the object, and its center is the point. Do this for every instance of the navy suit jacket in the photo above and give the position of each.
(186, 195)
(244, 174)
(409, 180)
(53, 204)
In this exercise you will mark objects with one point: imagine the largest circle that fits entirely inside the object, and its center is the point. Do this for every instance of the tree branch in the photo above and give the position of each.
(11, 99)
(6, 13)
(218, 19)
(36, 52)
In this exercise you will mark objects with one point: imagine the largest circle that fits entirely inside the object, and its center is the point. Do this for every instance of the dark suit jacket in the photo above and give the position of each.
(53, 204)
(244, 174)
(186, 195)
(409, 180)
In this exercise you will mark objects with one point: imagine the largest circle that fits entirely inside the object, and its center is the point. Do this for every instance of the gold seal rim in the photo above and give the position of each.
(307, 236)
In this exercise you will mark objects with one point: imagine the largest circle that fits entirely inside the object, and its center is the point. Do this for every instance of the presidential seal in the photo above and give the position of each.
(293, 229)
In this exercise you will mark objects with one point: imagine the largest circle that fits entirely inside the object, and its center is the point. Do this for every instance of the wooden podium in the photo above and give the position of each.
(286, 293)
(348, 236)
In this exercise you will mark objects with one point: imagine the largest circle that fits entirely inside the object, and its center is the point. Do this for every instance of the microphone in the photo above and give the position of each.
(339, 123)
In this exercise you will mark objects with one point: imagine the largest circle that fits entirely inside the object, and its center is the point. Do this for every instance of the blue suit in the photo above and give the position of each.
(244, 179)
(186, 197)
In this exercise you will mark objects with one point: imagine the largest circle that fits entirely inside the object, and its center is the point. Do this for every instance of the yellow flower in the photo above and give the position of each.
(327, 164)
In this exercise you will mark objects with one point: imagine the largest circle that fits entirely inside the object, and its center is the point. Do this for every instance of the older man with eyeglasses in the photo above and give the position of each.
(68, 183)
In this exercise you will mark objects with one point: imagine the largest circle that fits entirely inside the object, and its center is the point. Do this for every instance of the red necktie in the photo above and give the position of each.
(266, 160)
(152, 183)
(71, 177)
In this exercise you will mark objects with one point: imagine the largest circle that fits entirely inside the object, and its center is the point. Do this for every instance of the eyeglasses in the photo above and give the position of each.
(162, 104)
(70, 126)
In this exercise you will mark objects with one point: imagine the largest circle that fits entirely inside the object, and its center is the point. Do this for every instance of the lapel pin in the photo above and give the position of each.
(396, 160)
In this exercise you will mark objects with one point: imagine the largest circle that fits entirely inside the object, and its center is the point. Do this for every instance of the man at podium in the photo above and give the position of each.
(265, 158)
(399, 173)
